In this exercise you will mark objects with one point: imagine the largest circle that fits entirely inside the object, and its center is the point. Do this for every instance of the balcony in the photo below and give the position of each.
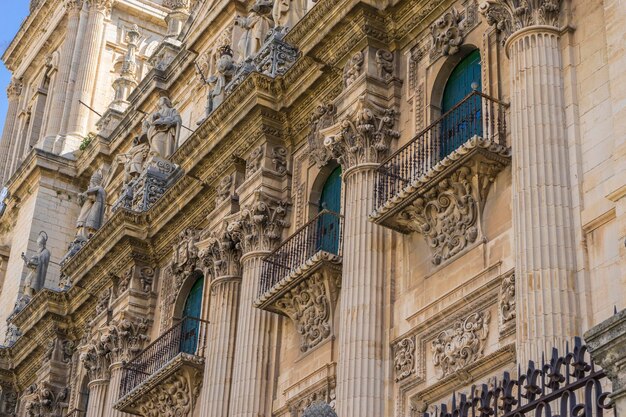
(437, 183)
(167, 374)
(301, 278)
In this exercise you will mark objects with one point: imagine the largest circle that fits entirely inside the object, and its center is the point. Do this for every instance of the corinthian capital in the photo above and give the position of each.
(509, 16)
(73, 5)
(260, 225)
(127, 338)
(96, 357)
(14, 89)
(176, 4)
(102, 6)
(222, 254)
(363, 136)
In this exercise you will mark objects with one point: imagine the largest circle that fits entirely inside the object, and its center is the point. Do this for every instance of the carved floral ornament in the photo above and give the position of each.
(447, 33)
(509, 16)
(46, 401)
(174, 397)
(507, 301)
(364, 136)
(102, 6)
(404, 358)
(323, 117)
(73, 5)
(222, 254)
(461, 344)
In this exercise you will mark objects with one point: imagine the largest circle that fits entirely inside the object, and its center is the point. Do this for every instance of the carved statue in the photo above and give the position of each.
(256, 26)
(287, 13)
(135, 158)
(226, 69)
(164, 129)
(93, 204)
(38, 264)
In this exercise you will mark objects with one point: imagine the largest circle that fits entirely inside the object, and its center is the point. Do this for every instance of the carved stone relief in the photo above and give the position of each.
(224, 188)
(279, 159)
(447, 33)
(176, 396)
(507, 303)
(353, 68)
(364, 136)
(46, 401)
(322, 118)
(322, 395)
(404, 358)
(222, 254)
(127, 338)
(255, 161)
(461, 344)
(384, 64)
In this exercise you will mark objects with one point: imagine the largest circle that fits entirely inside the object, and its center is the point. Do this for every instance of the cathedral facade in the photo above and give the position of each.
(258, 208)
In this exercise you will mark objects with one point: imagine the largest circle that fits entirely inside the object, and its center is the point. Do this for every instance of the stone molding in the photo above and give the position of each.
(509, 16)
(260, 224)
(364, 136)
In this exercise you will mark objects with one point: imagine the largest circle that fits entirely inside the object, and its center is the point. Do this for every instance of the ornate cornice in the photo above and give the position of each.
(509, 16)
(260, 224)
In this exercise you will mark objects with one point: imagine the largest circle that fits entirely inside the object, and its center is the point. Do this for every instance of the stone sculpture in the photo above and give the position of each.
(256, 26)
(38, 264)
(93, 202)
(287, 13)
(226, 69)
(135, 158)
(165, 124)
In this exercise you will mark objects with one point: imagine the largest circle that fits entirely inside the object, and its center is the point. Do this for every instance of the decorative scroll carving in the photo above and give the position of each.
(384, 64)
(404, 358)
(353, 69)
(146, 278)
(222, 254)
(224, 189)
(47, 402)
(447, 33)
(260, 225)
(255, 160)
(507, 302)
(509, 16)
(364, 136)
(60, 349)
(461, 344)
(176, 396)
(279, 159)
(104, 300)
(309, 306)
(127, 338)
(322, 118)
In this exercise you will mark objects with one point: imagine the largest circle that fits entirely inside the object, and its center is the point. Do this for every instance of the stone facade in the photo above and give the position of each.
(173, 148)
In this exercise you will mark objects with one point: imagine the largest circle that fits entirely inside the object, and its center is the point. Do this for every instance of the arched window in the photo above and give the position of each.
(463, 121)
(191, 311)
(330, 199)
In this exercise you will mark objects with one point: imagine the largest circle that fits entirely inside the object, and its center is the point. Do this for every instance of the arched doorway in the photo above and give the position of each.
(192, 312)
(330, 200)
(466, 120)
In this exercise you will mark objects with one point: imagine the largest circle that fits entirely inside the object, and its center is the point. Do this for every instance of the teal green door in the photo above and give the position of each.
(191, 314)
(465, 121)
(328, 229)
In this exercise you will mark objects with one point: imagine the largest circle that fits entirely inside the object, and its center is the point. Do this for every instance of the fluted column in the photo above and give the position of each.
(87, 73)
(55, 114)
(257, 232)
(97, 397)
(362, 143)
(13, 93)
(545, 252)
(223, 256)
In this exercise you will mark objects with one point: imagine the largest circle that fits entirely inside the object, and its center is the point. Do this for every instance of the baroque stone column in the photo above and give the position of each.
(257, 231)
(222, 254)
(86, 77)
(55, 116)
(545, 253)
(362, 141)
(96, 361)
(127, 338)
(8, 142)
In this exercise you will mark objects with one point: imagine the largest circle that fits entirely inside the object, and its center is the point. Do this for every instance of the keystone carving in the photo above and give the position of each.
(322, 118)
(509, 16)
(404, 358)
(260, 224)
(364, 136)
(447, 33)
(353, 68)
(460, 345)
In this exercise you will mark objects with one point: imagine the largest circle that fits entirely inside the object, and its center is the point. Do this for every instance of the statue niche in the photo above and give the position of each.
(38, 265)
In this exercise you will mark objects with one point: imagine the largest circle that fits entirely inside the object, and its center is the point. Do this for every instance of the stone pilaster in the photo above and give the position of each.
(55, 116)
(222, 255)
(607, 346)
(85, 78)
(257, 231)
(545, 253)
(360, 141)
(13, 93)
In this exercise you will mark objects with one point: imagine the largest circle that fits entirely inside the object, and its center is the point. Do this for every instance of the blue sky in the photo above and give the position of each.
(11, 17)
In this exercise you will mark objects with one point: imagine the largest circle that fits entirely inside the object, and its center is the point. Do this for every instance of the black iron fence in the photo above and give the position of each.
(476, 115)
(566, 386)
(187, 336)
(323, 233)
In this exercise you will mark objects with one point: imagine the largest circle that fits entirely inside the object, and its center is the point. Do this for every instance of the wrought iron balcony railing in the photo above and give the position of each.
(476, 115)
(187, 336)
(323, 233)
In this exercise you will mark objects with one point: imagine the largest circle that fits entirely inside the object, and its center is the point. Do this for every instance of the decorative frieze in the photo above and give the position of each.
(509, 16)
(461, 344)
(260, 224)
(353, 68)
(363, 136)
(404, 358)
(323, 117)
